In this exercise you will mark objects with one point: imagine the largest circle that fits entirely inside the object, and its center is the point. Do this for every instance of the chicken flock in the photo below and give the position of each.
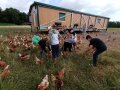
(25, 44)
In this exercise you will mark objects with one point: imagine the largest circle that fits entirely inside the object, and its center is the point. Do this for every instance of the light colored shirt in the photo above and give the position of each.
(68, 38)
(54, 37)
(74, 37)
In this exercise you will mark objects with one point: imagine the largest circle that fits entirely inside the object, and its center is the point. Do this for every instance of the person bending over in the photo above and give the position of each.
(43, 43)
(97, 45)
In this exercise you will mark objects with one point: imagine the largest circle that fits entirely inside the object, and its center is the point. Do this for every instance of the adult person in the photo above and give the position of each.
(68, 42)
(54, 37)
(97, 45)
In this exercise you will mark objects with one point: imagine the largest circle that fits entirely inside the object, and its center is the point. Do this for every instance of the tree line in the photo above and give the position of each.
(114, 24)
(11, 15)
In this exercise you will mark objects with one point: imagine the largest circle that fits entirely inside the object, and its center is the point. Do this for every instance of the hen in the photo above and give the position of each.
(24, 56)
(38, 61)
(2, 63)
(44, 84)
(5, 72)
(61, 73)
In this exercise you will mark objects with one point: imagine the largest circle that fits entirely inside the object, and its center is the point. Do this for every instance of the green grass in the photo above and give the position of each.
(79, 75)
(7, 24)
(116, 29)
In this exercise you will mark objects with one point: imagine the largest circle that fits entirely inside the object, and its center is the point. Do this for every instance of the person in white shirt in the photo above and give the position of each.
(54, 41)
(74, 38)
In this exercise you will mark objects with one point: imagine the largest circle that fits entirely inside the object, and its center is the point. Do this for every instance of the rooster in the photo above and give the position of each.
(38, 61)
(5, 72)
(44, 84)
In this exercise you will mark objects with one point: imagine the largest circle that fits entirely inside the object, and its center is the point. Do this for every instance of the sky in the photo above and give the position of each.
(107, 8)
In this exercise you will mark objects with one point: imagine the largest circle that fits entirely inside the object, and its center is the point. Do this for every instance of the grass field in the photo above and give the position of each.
(114, 29)
(7, 24)
(79, 75)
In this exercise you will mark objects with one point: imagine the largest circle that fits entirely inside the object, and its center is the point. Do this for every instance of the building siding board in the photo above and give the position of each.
(76, 19)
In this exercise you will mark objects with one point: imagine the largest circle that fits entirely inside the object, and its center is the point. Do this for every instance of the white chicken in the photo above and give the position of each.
(44, 84)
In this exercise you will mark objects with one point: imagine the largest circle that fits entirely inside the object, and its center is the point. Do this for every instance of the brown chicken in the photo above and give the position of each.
(24, 56)
(5, 72)
(61, 73)
(58, 83)
(49, 54)
(2, 63)
(114, 39)
(58, 79)
(11, 49)
(38, 61)
(44, 84)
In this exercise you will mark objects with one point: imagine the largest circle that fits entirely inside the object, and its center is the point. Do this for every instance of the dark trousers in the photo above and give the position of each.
(68, 46)
(95, 56)
(55, 51)
(43, 51)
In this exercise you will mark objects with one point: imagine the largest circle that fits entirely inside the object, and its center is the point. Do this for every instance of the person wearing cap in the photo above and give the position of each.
(54, 37)
(97, 45)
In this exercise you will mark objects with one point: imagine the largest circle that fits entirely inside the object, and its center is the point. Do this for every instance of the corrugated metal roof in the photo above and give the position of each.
(60, 8)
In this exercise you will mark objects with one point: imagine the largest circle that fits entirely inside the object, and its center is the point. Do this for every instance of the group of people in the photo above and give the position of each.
(70, 40)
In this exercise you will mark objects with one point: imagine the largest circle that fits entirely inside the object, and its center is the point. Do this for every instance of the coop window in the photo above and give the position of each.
(62, 16)
(98, 20)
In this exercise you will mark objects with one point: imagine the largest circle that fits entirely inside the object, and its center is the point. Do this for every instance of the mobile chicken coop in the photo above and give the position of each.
(43, 15)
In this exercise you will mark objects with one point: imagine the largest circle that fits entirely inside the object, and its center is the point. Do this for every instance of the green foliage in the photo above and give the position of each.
(114, 25)
(11, 15)
(6, 24)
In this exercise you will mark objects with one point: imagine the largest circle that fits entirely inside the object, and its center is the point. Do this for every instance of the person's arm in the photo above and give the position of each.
(88, 49)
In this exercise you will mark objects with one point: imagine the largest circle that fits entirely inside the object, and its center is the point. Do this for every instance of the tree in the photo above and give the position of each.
(0, 9)
(11, 15)
(0, 13)
(114, 24)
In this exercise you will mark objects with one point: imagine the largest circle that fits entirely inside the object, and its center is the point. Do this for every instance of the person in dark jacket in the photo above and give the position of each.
(43, 43)
(97, 45)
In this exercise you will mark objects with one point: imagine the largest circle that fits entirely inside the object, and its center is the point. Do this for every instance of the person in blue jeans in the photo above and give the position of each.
(54, 41)
(98, 46)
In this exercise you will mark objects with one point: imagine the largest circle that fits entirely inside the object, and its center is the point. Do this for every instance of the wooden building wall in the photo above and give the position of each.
(47, 15)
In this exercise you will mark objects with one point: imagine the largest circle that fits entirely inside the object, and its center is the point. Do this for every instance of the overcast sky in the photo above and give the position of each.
(108, 8)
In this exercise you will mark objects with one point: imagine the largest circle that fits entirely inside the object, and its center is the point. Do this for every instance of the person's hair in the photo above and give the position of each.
(36, 33)
(88, 36)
